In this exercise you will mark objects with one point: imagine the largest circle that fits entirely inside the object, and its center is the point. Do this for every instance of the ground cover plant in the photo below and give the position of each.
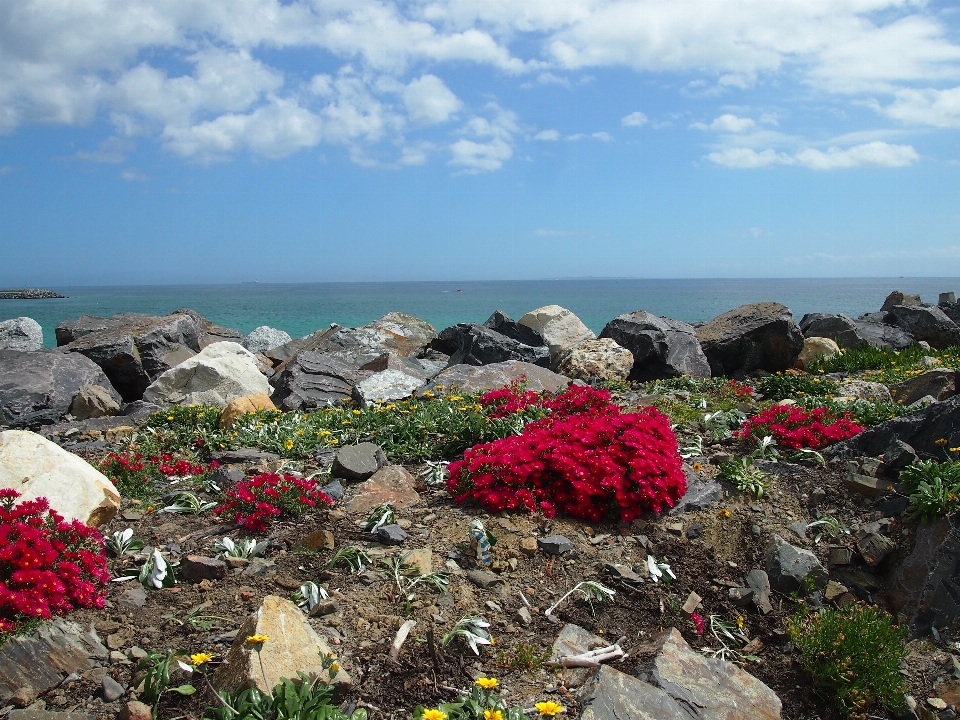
(47, 566)
(144, 476)
(796, 428)
(885, 365)
(933, 487)
(794, 384)
(255, 502)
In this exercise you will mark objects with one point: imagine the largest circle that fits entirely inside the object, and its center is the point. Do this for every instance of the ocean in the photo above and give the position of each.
(299, 309)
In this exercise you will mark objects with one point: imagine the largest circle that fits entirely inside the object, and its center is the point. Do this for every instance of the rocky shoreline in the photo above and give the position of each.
(736, 558)
(29, 294)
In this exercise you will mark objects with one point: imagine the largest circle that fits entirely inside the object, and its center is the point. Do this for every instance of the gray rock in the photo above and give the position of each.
(226, 476)
(559, 328)
(951, 310)
(259, 567)
(423, 368)
(333, 489)
(898, 455)
(899, 298)
(396, 333)
(555, 544)
(220, 373)
(210, 332)
(195, 568)
(875, 547)
(484, 579)
(265, 338)
(134, 597)
(610, 693)
(110, 689)
(473, 379)
(927, 323)
(243, 455)
(473, 344)
(702, 492)
(358, 462)
(880, 335)
(132, 349)
(385, 386)
(37, 388)
(760, 336)
(22, 333)
(661, 347)
(839, 328)
(864, 390)
(33, 663)
(94, 401)
(391, 535)
(623, 572)
(524, 617)
(312, 380)
(503, 324)
(694, 531)
(939, 384)
(574, 640)
(921, 429)
(792, 569)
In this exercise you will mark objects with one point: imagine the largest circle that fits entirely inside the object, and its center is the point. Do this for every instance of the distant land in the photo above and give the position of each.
(28, 294)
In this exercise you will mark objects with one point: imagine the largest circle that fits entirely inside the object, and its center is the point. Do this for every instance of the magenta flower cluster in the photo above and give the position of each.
(257, 501)
(797, 428)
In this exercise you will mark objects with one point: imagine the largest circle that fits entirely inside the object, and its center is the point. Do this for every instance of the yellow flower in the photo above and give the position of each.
(346, 422)
(257, 639)
(433, 715)
(335, 667)
(724, 513)
(740, 621)
(548, 708)
(941, 441)
(427, 393)
(169, 417)
(492, 715)
(454, 397)
(487, 683)
(697, 467)
(300, 431)
(199, 659)
(334, 441)
(356, 412)
(288, 444)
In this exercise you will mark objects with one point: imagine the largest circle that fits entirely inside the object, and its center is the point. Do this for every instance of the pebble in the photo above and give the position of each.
(937, 703)
(555, 544)
(110, 689)
(391, 535)
(695, 531)
(528, 546)
(524, 616)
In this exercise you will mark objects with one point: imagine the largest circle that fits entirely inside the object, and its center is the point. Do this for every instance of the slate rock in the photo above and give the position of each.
(880, 335)
(559, 328)
(623, 572)
(265, 338)
(111, 690)
(132, 349)
(423, 368)
(473, 344)
(391, 484)
(38, 388)
(574, 640)
(839, 328)
(334, 490)
(22, 333)
(602, 359)
(474, 379)
(219, 374)
(555, 544)
(36, 467)
(694, 531)
(503, 324)
(951, 309)
(391, 535)
(94, 401)
(940, 384)
(875, 547)
(702, 492)
(927, 323)
(898, 455)
(312, 380)
(395, 332)
(358, 462)
(759, 336)
(661, 347)
(210, 332)
(243, 455)
(792, 569)
(195, 568)
(385, 386)
(484, 578)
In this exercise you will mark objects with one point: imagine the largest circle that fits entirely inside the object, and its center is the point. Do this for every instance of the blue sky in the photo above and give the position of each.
(180, 141)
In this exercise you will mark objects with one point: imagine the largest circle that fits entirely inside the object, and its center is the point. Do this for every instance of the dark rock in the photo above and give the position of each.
(874, 548)
(951, 310)
(415, 367)
(259, 567)
(358, 462)
(702, 492)
(503, 324)
(872, 329)
(759, 582)
(139, 410)
(898, 455)
(925, 323)
(661, 347)
(694, 531)
(94, 401)
(391, 535)
(210, 332)
(325, 607)
(110, 689)
(133, 350)
(474, 379)
(839, 328)
(792, 569)
(921, 429)
(760, 336)
(473, 344)
(333, 489)
(243, 455)
(195, 568)
(940, 384)
(622, 572)
(484, 579)
(37, 388)
(799, 528)
(893, 507)
(395, 333)
(226, 476)
(555, 544)
(311, 380)
(899, 298)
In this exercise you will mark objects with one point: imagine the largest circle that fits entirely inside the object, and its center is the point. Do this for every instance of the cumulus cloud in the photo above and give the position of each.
(939, 108)
(111, 150)
(634, 119)
(134, 175)
(547, 135)
(429, 101)
(872, 154)
(602, 136)
(727, 123)
(743, 158)
(488, 142)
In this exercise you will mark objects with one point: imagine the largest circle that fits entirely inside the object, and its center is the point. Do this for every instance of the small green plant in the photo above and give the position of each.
(524, 656)
(156, 572)
(154, 672)
(309, 595)
(246, 548)
(828, 527)
(196, 618)
(933, 487)
(122, 542)
(721, 424)
(473, 631)
(305, 699)
(407, 577)
(589, 590)
(781, 386)
(380, 515)
(746, 476)
(854, 656)
(186, 503)
(435, 473)
(352, 556)
(728, 634)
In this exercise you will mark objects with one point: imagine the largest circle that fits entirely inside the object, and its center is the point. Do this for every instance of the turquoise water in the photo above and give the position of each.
(301, 309)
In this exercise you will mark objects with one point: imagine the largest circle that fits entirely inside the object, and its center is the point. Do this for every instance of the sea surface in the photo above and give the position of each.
(300, 309)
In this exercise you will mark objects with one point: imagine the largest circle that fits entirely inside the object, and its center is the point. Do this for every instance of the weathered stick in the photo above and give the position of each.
(401, 637)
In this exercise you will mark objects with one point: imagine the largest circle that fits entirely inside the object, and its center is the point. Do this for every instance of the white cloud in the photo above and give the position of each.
(547, 135)
(543, 232)
(111, 150)
(602, 136)
(940, 108)
(8, 170)
(634, 119)
(134, 175)
(429, 101)
(743, 158)
(872, 154)
(492, 144)
(727, 123)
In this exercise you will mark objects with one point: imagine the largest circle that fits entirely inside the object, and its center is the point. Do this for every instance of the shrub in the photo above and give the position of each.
(853, 654)
(793, 384)
(795, 428)
(47, 566)
(585, 459)
(934, 488)
(256, 501)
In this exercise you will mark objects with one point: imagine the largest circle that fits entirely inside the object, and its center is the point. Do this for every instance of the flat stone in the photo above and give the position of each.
(259, 567)
(358, 462)
(420, 558)
(622, 572)
(799, 528)
(477, 379)
(524, 617)
(391, 535)
(484, 579)
(790, 567)
(841, 556)
(694, 531)
(875, 547)
(136, 710)
(325, 607)
(610, 694)
(759, 582)
(574, 640)
(555, 544)
(111, 690)
(334, 490)
(528, 546)
(243, 455)
(38, 714)
(133, 597)
(391, 484)
(195, 568)
(319, 540)
(834, 590)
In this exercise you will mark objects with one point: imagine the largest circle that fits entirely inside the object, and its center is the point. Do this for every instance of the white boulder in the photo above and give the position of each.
(386, 385)
(21, 333)
(36, 467)
(561, 329)
(265, 338)
(218, 374)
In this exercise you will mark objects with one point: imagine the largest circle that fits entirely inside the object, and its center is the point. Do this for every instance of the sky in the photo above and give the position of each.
(194, 141)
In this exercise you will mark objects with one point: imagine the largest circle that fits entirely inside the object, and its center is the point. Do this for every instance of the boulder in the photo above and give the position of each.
(505, 325)
(940, 384)
(358, 462)
(313, 379)
(839, 328)
(816, 348)
(921, 429)
(391, 484)
(395, 332)
(210, 332)
(93, 401)
(602, 358)
(899, 298)
(265, 338)
(864, 390)
(661, 347)
(951, 308)
(793, 569)
(472, 344)
(292, 646)
(423, 368)
(243, 405)
(220, 373)
(385, 386)
(132, 349)
(760, 336)
(36, 467)
(559, 328)
(37, 388)
(879, 335)
(923, 322)
(473, 379)
(22, 333)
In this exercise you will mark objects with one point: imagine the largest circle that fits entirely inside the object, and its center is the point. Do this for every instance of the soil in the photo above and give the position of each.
(732, 542)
